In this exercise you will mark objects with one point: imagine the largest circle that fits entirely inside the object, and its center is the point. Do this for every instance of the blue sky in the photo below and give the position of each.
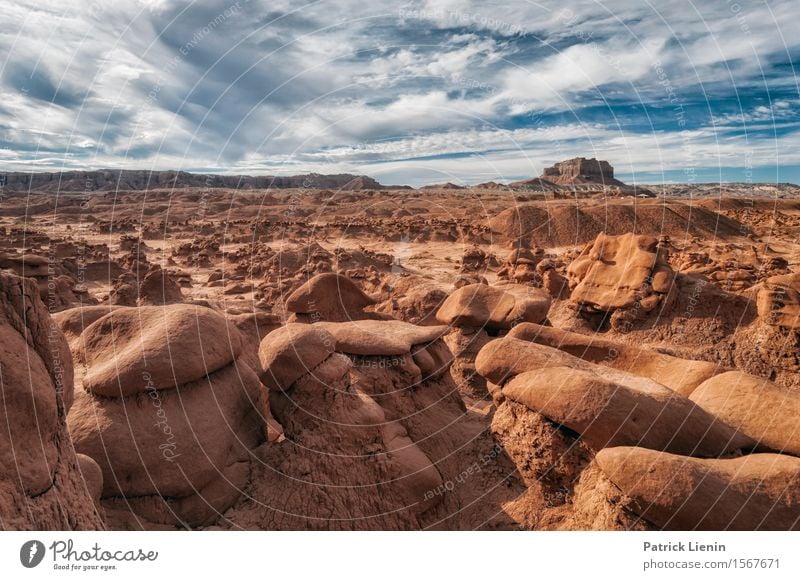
(417, 92)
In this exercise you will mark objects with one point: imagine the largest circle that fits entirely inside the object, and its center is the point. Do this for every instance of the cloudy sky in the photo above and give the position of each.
(418, 92)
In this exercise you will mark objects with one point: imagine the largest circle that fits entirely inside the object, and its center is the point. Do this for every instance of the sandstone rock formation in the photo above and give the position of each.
(477, 310)
(253, 327)
(171, 345)
(565, 489)
(169, 413)
(754, 492)
(494, 307)
(124, 290)
(291, 352)
(580, 175)
(380, 337)
(779, 301)
(580, 171)
(610, 414)
(626, 275)
(558, 225)
(504, 358)
(155, 287)
(679, 374)
(41, 481)
(410, 298)
(56, 284)
(323, 412)
(757, 407)
(520, 267)
(361, 402)
(74, 321)
(121, 179)
(465, 344)
(608, 407)
(473, 260)
(330, 297)
(350, 405)
(158, 288)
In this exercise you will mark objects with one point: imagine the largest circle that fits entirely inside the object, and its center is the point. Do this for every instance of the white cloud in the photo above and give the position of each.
(340, 84)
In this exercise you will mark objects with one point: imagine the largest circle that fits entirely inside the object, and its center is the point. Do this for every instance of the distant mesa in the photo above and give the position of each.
(577, 177)
(581, 175)
(447, 185)
(491, 185)
(581, 171)
(136, 180)
(359, 182)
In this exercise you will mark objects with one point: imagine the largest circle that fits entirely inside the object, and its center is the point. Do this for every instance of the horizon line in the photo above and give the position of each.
(463, 184)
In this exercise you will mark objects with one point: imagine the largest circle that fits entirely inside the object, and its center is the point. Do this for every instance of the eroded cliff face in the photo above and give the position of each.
(44, 484)
(580, 170)
(110, 180)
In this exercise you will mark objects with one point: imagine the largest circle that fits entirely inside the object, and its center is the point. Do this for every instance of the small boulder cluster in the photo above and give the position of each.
(155, 288)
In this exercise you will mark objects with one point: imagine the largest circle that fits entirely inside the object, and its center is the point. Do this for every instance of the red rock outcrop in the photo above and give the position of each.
(779, 301)
(580, 171)
(169, 412)
(755, 492)
(626, 276)
(44, 484)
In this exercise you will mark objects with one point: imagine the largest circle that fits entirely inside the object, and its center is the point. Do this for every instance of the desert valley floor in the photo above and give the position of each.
(441, 358)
